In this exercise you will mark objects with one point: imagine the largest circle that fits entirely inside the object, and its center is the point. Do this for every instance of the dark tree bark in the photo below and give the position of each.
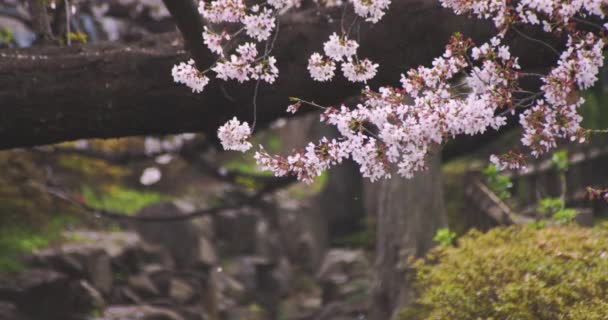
(41, 23)
(409, 211)
(49, 95)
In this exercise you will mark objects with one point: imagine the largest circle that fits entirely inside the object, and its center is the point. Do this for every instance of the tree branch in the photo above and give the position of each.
(191, 26)
(109, 90)
(189, 152)
(251, 200)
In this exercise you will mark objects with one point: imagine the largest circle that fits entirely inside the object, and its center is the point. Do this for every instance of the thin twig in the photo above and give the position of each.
(525, 36)
(68, 13)
(54, 191)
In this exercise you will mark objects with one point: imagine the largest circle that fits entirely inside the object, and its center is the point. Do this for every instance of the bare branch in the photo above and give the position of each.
(191, 26)
(249, 201)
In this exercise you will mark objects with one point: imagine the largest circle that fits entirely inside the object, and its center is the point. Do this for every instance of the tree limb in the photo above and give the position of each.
(110, 90)
(251, 200)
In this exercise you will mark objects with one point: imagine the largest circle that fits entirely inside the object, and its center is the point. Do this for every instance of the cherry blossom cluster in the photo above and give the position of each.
(468, 90)
(593, 193)
(188, 74)
(371, 10)
(341, 49)
(555, 116)
(393, 129)
(246, 62)
(243, 66)
(234, 135)
(553, 15)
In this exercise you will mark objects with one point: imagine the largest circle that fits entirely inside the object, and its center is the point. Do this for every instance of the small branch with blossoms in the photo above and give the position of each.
(597, 194)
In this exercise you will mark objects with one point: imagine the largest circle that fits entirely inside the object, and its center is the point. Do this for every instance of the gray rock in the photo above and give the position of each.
(344, 275)
(192, 313)
(303, 233)
(143, 286)
(235, 230)
(160, 276)
(92, 255)
(124, 295)
(341, 311)
(181, 291)
(267, 242)
(8, 311)
(39, 293)
(180, 238)
(140, 312)
(156, 254)
(283, 276)
(207, 255)
(89, 298)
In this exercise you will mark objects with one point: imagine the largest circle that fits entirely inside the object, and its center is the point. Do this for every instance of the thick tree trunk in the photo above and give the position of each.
(55, 94)
(409, 211)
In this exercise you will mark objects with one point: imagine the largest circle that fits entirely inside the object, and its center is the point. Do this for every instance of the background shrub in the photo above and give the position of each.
(518, 273)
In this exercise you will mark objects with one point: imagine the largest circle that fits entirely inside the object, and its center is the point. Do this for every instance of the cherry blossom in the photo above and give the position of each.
(266, 70)
(233, 135)
(222, 10)
(359, 71)
(321, 69)
(213, 41)
(371, 10)
(280, 4)
(188, 74)
(259, 26)
(339, 47)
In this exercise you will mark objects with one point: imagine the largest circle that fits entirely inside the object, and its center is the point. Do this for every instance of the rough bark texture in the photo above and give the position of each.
(409, 211)
(40, 18)
(51, 94)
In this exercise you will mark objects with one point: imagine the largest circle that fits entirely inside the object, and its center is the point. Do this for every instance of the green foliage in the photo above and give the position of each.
(516, 272)
(120, 199)
(539, 224)
(497, 182)
(555, 207)
(6, 37)
(560, 160)
(80, 37)
(444, 237)
(593, 111)
(550, 205)
(564, 216)
(302, 191)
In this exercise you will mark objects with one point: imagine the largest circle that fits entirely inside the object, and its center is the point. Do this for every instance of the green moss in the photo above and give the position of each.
(120, 199)
(17, 241)
(517, 272)
(301, 191)
(93, 168)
